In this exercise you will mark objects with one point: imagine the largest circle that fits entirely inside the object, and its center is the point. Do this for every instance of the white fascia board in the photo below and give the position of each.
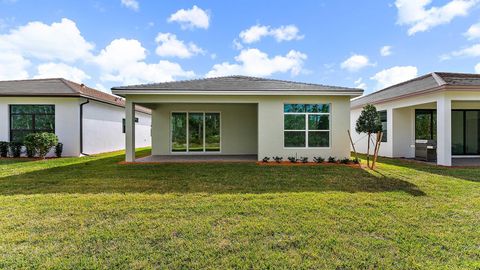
(239, 93)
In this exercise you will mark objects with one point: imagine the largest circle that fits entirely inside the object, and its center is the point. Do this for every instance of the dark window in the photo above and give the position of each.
(383, 119)
(124, 125)
(425, 124)
(306, 125)
(26, 119)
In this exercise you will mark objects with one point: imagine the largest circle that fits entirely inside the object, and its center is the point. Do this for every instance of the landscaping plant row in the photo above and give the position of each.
(36, 145)
(318, 159)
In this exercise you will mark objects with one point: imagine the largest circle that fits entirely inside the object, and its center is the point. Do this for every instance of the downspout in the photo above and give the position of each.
(81, 126)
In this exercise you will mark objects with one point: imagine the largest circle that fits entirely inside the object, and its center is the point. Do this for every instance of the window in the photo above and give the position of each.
(425, 124)
(26, 119)
(306, 125)
(195, 132)
(124, 126)
(383, 119)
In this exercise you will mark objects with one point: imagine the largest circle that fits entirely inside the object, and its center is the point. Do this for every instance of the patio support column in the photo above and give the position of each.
(444, 131)
(129, 131)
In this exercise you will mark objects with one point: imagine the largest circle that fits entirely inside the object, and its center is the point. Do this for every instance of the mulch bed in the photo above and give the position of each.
(288, 163)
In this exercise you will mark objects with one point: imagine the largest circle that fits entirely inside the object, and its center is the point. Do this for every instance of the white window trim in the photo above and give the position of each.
(187, 152)
(306, 130)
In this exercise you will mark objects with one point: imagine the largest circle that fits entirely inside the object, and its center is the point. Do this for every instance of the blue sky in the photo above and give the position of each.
(337, 42)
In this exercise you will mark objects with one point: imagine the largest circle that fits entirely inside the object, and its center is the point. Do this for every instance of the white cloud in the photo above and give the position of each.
(58, 41)
(416, 15)
(386, 50)
(254, 62)
(60, 70)
(473, 32)
(191, 18)
(282, 33)
(471, 51)
(356, 62)
(13, 66)
(131, 4)
(477, 68)
(394, 75)
(170, 46)
(123, 61)
(360, 83)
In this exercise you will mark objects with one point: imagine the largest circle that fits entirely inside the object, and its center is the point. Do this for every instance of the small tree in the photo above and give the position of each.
(369, 122)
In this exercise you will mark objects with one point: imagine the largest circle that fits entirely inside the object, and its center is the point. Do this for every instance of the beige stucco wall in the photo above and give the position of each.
(237, 117)
(238, 126)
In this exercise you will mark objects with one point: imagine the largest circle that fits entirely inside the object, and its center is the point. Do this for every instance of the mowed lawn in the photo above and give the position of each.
(86, 213)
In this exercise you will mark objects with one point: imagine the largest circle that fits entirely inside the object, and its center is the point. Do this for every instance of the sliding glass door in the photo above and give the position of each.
(195, 132)
(466, 132)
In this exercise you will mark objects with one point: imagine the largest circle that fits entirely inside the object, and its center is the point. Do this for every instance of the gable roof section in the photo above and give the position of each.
(59, 87)
(423, 84)
(234, 84)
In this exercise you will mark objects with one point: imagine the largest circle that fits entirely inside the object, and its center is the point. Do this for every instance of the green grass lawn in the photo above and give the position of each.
(84, 213)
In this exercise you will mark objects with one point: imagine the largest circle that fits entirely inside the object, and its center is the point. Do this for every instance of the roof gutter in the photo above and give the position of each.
(81, 126)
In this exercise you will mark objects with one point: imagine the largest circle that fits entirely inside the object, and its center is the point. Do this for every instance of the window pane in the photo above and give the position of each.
(294, 139)
(383, 119)
(22, 121)
(472, 135)
(179, 132)
(45, 122)
(423, 125)
(318, 122)
(318, 108)
(457, 133)
(195, 132)
(294, 122)
(318, 139)
(19, 135)
(212, 132)
(294, 107)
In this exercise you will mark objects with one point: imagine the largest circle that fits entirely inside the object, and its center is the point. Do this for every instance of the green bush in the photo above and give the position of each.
(42, 143)
(15, 149)
(59, 149)
(3, 149)
(29, 142)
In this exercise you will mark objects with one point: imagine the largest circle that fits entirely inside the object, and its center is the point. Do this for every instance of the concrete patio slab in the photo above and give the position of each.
(196, 158)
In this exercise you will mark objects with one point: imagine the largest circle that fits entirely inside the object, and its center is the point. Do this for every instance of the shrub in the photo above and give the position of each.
(3, 149)
(356, 160)
(59, 149)
(318, 159)
(304, 159)
(41, 142)
(332, 160)
(345, 161)
(29, 142)
(293, 159)
(278, 159)
(15, 149)
(265, 159)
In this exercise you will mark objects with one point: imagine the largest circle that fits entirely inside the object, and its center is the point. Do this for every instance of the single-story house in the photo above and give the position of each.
(239, 115)
(86, 121)
(437, 113)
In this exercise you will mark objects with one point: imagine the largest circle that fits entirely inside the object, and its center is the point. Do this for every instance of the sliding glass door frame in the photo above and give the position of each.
(187, 151)
(464, 124)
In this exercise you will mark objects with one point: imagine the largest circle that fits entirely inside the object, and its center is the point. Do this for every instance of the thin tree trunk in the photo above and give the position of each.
(353, 145)
(368, 150)
(377, 148)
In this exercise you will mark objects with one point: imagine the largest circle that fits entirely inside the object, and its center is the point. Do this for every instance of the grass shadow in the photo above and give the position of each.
(102, 174)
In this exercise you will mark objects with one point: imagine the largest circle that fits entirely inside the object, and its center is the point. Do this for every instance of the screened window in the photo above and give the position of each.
(306, 125)
(195, 132)
(26, 119)
(383, 119)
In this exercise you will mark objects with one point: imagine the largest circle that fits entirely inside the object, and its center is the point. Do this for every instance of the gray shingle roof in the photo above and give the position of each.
(58, 87)
(235, 83)
(417, 85)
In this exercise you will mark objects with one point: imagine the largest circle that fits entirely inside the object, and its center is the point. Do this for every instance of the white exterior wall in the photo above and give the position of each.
(269, 122)
(102, 128)
(67, 117)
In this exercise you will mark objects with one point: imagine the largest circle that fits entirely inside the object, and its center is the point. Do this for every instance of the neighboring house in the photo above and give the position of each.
(86, 121)
(240, 115)
(443, 108)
